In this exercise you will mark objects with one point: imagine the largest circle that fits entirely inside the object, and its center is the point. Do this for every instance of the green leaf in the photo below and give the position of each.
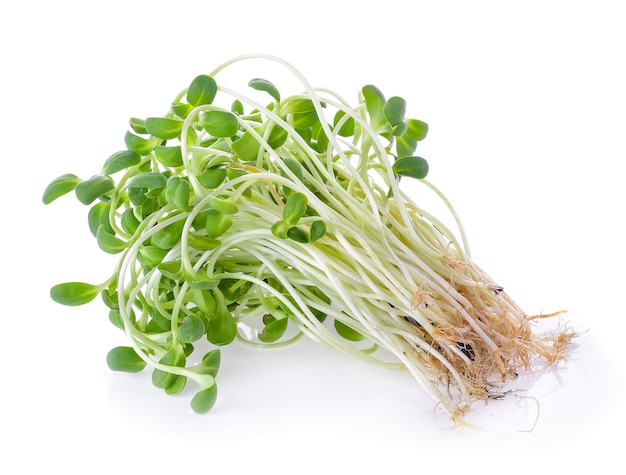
(202, 299)
(210, 363)
(164, 128)
(188, 348)
(59, 187)
(74, 293)
(181, 110)
(247, 147)
(90, 190)
(232, 289)
(222, 327)
(151, 256)
(169, 236)
(416, 129)
(137, 196)
(169, 156)
(171, 270)
(108, 242)
(202, 243)
(375, 103)
(202, 90)
(204, 400)
(116, 319)
(237, 107)
(318, 313)
(177, 192)
(211, 178)
(160, 322)
(125, 358)
(398, 130)
(219, 123)
(347, 126)
(414, 167)
(199, 281)
(347, 332)
(298, 234)
(322, 140)
(280, 229)
(138, 125)
(394, 110)
(225, 206)
(177, 386)
(148, 180)
(191, 329)
(265, 85)
(174, 357)
(148, 206)
(295, 207)
(274, 330)
(304, 120)
(405, 146)
(120, 161)
(317, 231)
(277, 137)
(139, 145)
(99, 216)
(298, 106)
(217, 223)
(295, 167)
(129, 221)
(110, 296)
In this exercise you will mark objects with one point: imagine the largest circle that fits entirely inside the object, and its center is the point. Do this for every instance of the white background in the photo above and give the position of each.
(526, 105)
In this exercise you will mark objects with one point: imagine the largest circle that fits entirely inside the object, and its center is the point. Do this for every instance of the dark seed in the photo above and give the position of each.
(412, 321)
(466, 349)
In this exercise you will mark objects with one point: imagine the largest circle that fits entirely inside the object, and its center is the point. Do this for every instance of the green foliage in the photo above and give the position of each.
(177, 192)
(108, 242)
(204, 400)
(347, 332)
(168, 236)
(265, 85)
(164, 378)
(217, 222)
(59, 187)
(192, 329)
(219, 123)
(295, 207)
(140, 145)
(96, 187)
(274, 330)
(375, 103)
(169, 156)
(125, 358)
(219, 216)
(98, 215)
(148, 180)
(202, 90)
(222, 327)
(318, 229)
(415, 167)
(210, 363)
(120, 161)
(74, 293)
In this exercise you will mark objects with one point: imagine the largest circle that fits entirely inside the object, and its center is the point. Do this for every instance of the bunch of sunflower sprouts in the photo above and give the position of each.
(265, 220)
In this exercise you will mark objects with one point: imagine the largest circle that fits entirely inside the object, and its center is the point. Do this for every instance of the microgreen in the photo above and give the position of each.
(124, 358)
(264, 219)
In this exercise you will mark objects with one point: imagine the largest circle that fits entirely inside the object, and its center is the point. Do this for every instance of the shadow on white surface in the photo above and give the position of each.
(306, 394)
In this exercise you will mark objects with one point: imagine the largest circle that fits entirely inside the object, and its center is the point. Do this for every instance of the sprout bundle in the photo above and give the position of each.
(257, 217)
